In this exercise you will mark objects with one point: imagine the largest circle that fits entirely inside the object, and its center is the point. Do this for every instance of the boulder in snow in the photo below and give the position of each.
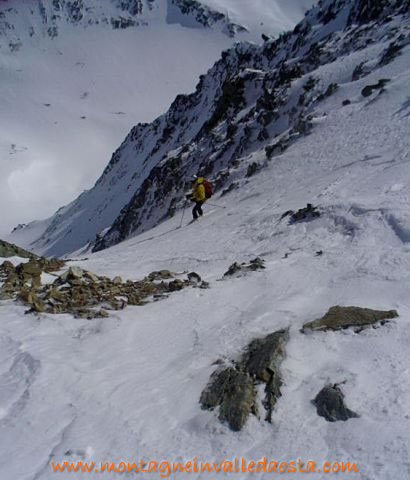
(239, 268)
(263, 360)
(330, 404)
(233, 388)
(233, 391)
(339, 318)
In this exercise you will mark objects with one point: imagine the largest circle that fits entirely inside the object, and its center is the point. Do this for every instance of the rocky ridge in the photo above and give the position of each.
(82, 293)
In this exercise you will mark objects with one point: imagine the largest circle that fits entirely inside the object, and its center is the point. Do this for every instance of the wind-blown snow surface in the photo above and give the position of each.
(127, 387)
(67, 101)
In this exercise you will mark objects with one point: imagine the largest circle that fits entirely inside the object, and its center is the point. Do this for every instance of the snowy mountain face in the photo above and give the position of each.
(255, 97)
(77, 75)
(28, 18)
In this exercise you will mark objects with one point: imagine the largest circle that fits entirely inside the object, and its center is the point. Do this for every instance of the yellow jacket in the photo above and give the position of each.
(198, 193)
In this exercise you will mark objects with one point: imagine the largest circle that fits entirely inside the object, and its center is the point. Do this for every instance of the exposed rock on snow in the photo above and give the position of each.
(263, 360)
(10, 250)
(193, 277)
(339, 318)
(233, 389)
(304, 214)
(367, 91)
(330, 404)
(25, 275)
(236, 269)
(234, 392)
(80, 292)
(160, 275)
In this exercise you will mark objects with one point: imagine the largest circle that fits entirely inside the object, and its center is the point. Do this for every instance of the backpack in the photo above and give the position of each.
(208, 189)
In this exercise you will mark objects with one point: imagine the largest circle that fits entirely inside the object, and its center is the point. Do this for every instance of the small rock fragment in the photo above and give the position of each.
(194, 278)
(330, 404)
(160, 275)
(236, 268)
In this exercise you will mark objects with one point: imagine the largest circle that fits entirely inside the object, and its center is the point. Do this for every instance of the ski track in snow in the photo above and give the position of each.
(127, 387)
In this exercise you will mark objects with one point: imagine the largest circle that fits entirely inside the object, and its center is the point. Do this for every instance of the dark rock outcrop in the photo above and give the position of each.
(330, 404)
(10, 250)
(239, 268)
(368, 90)
(339, 318)
(233, 388)
(263, 360)
(303, 214)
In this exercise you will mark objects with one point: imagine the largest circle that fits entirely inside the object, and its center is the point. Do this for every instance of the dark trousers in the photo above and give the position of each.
(197, 210)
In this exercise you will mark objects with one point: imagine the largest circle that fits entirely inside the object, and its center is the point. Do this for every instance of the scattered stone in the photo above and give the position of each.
(330, 404)
(31, 268)
(218, 362)
(82, 293)
(253, 265)
(160, 296)
(28, 296)
(7, 266)
(194, 278)
(391, 52)
(161, 275)
(368, 90)
(91, 276)
(234, 392)
(339, 318)
(319, 253)
(252, 169)
(232, 186)
(49, 265)
(304, 214)
(75, 273)
(346, 102)
(233, 269)
(176, 285)
(233, 388)
(286, 214)
(331, 89)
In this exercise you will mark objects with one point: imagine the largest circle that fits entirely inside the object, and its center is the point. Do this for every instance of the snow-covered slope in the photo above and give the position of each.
(127, 387)
(255, 97)
(77, 75)
(267, 17)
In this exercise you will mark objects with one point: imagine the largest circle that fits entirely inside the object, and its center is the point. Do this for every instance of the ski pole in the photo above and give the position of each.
(183, 213)
(213, 205)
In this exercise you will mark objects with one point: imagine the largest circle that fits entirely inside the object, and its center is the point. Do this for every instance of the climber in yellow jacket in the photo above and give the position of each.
(198, 196)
